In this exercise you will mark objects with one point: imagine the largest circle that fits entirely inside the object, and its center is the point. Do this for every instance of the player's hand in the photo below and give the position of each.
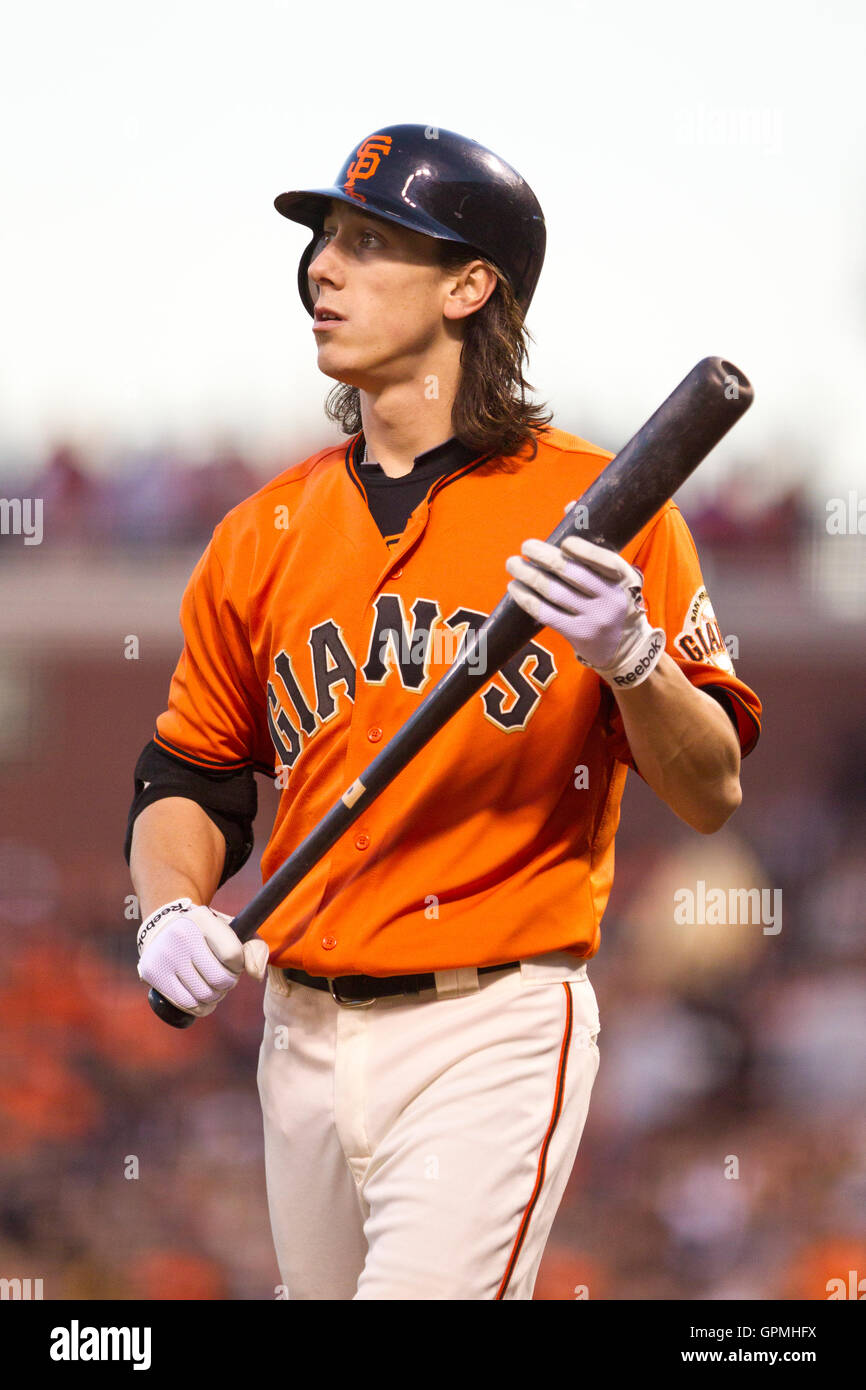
(594, 598)
(191, 955)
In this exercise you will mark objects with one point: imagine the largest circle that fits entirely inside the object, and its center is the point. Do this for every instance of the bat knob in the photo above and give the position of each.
(168, 1012)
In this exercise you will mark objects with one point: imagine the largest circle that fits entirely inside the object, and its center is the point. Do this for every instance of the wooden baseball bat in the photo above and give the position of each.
(619, 503)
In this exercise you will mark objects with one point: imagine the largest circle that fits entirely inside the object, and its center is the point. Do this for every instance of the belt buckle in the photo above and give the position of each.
(348, 1003)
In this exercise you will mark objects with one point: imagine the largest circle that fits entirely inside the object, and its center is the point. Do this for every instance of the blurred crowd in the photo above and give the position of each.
(164, 497)
(156, 497)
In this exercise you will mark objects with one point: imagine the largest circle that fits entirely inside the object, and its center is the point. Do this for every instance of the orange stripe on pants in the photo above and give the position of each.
(542, 1157)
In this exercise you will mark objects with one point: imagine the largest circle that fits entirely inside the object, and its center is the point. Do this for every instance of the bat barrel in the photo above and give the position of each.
(665, 451)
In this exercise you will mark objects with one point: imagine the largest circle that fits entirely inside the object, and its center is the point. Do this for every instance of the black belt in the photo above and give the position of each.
(363, 989)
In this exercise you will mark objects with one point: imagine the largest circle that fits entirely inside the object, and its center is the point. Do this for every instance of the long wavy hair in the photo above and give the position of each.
(491, 412)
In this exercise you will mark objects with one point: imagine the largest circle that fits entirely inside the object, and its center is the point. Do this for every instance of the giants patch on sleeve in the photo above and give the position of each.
(701, 637)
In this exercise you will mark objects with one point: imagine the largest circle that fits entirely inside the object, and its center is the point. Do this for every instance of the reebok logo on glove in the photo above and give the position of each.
(181, 905)
(644, 666)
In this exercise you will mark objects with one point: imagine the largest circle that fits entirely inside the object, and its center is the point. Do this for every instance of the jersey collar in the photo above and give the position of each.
(449, 457)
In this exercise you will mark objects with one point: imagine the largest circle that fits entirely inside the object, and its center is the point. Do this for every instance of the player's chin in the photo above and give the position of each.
(345, 366)
(335, 357)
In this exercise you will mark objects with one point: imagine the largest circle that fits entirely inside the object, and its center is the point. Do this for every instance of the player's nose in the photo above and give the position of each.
(325, 264)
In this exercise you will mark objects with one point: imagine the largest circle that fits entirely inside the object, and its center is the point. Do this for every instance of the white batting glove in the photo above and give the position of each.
(191, 955)
(594, 598)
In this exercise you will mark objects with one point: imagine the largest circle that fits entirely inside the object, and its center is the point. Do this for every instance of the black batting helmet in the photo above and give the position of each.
(438, 183)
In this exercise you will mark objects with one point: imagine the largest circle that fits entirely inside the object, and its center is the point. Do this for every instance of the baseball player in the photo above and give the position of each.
(430, 1038)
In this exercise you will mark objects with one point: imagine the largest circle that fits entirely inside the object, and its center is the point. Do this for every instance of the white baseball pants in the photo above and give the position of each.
(418, 1147)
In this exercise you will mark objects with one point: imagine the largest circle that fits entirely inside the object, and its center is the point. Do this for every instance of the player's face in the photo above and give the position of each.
(385, 283)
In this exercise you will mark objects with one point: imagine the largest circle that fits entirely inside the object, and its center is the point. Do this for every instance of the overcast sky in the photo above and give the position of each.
(701, 168)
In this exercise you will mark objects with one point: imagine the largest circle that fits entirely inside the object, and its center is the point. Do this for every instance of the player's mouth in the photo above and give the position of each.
(325, 318)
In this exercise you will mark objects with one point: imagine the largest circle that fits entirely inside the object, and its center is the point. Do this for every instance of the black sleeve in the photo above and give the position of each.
(229, 798)
(720, 695)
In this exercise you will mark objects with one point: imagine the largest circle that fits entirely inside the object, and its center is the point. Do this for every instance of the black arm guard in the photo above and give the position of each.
(229, 798)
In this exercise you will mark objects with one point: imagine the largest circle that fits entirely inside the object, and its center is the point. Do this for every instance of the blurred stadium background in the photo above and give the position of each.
(702, 178)
(715, 1042)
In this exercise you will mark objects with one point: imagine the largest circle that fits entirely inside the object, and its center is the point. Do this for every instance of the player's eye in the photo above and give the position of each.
(365, 237)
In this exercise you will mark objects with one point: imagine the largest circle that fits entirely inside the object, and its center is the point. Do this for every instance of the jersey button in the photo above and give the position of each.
(362, 840)
(395, 574)
(329, 942)
(374, 733)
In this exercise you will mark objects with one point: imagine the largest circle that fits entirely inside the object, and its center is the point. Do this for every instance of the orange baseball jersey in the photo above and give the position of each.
(309, 641)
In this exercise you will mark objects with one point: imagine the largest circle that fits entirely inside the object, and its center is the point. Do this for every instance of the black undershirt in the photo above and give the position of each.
(393, 500)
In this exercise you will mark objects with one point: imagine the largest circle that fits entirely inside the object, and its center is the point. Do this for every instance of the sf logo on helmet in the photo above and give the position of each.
(366, 162)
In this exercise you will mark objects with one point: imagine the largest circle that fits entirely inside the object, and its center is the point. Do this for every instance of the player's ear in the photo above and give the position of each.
(469, 289)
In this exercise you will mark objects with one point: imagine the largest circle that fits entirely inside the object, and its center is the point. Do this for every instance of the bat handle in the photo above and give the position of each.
(168, 1012)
